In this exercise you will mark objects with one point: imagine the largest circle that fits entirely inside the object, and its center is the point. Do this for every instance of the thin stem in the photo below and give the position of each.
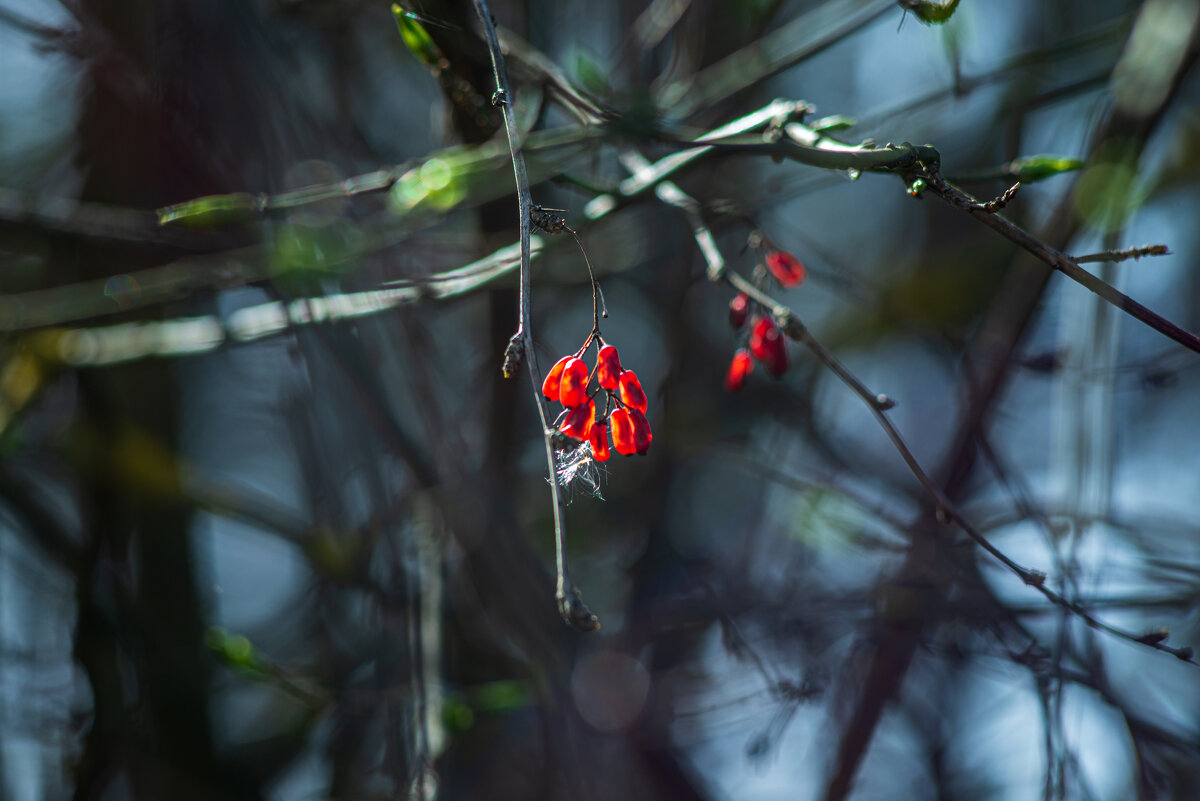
(1054, 258)
(946, 510)
(570, 605)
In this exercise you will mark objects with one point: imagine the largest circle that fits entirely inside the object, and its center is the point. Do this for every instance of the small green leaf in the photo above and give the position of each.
(930, 12)
(1034, 168)
(837, 122)
(501, 696)
(590, 74)
(416, 38)
(212, 211)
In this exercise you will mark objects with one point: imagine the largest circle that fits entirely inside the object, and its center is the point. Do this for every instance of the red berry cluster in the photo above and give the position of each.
(624, 405)
(766, 342)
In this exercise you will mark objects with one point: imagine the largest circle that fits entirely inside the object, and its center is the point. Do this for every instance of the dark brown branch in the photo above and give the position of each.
(1123, 255)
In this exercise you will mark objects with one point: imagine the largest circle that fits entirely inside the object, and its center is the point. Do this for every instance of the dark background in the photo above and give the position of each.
(241, 559)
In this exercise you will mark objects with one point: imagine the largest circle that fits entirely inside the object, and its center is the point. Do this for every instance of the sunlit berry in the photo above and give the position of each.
(599, 440)
(573, 387)
(769, 347)
(608, 367)
(631, 391)
(642, 436)
(550, 387)
(738, 308)
(741, 367)
(580, 421)
(786, 268)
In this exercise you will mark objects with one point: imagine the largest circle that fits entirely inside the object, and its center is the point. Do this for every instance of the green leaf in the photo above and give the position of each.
(1028, 169)
(416, 38)
(837, 122)
(212, 211)
(930, 12)
(590, 74)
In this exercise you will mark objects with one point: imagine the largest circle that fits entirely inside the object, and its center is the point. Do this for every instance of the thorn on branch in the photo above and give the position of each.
(995, 204)
(1123, 255)
(1034, 578)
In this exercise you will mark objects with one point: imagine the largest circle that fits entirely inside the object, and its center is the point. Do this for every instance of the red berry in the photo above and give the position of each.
(622, 432)
(580, 421)
(786, 268)
(642, 437)
(738, 307)
(741, 366)
(608, 367)
(573, 387)
(631, 391)
(768, 346)
(764, 330)
(550, 386)
(599, 441)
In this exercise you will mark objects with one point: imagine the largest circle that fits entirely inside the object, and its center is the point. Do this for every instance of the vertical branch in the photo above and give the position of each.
(570, 605)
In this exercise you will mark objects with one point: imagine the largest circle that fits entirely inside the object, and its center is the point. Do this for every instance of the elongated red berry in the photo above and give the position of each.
(738, 307)
(762, 333)
(786, 268)
(599, 440)
(769, 347)
(550, 387)
(580, 421)
(608, 367)
(631, 391)
(622, 432)
(573, 387)
(741, 366)
(642, 436)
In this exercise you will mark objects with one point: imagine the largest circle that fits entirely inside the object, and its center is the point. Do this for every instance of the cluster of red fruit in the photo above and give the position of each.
(624, 405)
(766, 342)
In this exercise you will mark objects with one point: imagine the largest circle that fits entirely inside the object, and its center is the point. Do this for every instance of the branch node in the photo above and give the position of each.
(883, 402)
(513, 354)
(1034, 578)
(575, 612)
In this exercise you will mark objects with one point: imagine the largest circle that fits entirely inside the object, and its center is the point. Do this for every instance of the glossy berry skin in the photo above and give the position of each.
(630, 432)
(631, 391)
(622, 432)
(608, 367)
(550, 387)
(580, 421)
(738, 308)
(599, 440)
(573, 387)
(786, 268)
(768, 346)
(642, 436)
(741, 367)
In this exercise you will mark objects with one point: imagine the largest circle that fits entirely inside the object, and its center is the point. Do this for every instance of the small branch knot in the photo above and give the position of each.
(575, 612)
(549, 220)
(513, 354)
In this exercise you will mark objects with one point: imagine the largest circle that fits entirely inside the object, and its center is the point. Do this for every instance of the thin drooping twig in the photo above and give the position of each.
(879, 404)
(946, 510)
(1123, 255)
(570, 604)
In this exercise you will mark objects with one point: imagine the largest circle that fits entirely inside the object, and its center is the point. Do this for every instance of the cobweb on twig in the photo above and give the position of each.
(578, 473)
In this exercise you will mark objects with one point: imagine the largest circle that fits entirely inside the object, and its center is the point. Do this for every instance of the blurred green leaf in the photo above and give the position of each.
(212, 211)
(501, 696)
(1028, 169)
(591, 75)
(930, 12)
(416, 38)
(837, 122)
